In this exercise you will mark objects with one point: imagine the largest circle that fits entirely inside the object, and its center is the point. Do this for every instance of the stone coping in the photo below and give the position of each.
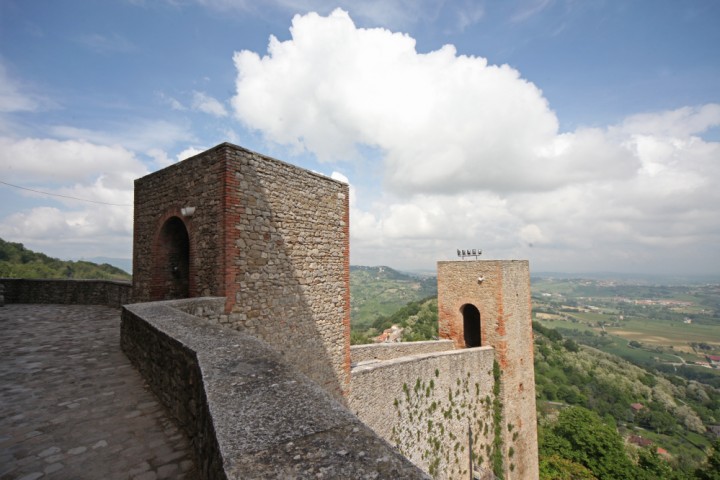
(369, 365)
(249, 415)
(388, 350)
(112, 293)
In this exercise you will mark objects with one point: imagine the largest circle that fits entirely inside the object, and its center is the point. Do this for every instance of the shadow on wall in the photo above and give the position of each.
(288, 266)
(171, 269)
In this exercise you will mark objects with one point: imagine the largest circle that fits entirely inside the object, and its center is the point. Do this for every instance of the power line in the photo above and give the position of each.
(65, 196)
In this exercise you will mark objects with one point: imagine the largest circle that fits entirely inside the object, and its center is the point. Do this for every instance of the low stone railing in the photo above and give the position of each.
(247, 413)
(67, 292)
(390, 350)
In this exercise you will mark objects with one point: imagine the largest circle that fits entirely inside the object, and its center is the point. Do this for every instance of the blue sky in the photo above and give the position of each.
(580, 135)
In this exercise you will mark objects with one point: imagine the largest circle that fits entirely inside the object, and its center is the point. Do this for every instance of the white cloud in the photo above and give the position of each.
(172, 102)
(46, 160)
(472, 156)
(139, 135)
(444, 122)
(189, 152)
(12, 98)
(207, 104)
(81, 177)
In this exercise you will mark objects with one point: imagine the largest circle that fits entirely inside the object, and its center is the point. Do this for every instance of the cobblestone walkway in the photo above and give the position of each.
(72, 406)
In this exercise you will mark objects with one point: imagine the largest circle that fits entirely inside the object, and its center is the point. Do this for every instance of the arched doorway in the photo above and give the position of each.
(171, 275)
(471, 325)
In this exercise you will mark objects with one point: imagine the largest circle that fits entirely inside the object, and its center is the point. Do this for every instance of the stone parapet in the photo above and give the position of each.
(248, 413)
(388, 351)
(66, 292)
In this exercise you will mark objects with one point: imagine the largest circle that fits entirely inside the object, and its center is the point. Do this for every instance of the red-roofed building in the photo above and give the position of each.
(636, 407)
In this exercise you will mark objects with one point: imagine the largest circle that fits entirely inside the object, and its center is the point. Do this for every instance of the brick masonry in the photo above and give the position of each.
(503, 299)
(270, 237)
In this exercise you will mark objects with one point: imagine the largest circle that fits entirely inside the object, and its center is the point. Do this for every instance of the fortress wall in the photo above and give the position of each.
(503, 299)
(67, 292)
(195, 182)
(287, 256)
(388, 351)
(425, 405)
(247, 413)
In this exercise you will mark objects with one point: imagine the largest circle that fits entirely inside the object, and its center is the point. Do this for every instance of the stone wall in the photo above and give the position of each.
(196, 182)
(288, 257)
(66, 292)
(270, 237)
(503, 300)
(388, 351)
(430, 406)
(248, 414)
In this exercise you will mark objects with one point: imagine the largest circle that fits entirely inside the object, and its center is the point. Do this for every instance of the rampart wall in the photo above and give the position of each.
(247, 413)
(388, 351)
(429, 406)
(271, 237)
(66, 292)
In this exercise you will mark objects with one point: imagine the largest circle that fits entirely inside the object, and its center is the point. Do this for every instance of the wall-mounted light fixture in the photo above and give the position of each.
(481, 279)
(187, 211)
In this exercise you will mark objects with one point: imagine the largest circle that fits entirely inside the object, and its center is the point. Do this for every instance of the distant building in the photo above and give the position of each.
(713, 359)
(639, 441)
(636, 407)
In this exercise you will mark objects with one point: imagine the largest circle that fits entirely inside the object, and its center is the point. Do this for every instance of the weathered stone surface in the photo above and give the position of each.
(270, 237)
(426, 405)
(249, 414)
(388, 351)
(65, 391)
(65, 292)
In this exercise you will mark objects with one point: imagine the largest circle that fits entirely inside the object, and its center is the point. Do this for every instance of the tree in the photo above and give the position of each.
(582, 437)
(711, 471)
(555, 467)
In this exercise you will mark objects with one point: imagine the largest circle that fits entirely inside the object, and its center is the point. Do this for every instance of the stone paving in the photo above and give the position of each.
(73, 407)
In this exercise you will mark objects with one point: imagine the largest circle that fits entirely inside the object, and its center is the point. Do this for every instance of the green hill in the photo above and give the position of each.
(380, 291)
(16, 261)
(585, 395)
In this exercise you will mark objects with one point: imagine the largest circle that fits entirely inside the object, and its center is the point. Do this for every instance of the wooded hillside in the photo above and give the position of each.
(16, 261)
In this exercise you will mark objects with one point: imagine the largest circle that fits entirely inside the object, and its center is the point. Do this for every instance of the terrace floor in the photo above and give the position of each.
(73, 407)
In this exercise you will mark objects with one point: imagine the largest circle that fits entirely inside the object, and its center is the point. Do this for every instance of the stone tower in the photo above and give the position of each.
(270, 237)
(487, 303)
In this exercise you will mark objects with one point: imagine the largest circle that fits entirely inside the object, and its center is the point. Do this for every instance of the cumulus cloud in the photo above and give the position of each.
(49, 160)
(189, 152)
(139, 135)
(207, 104)
(471, 154)
(93, 184)
(445, 122)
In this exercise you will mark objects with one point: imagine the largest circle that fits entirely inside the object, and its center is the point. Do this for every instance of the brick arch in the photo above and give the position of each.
(171, 253)
(471, 325)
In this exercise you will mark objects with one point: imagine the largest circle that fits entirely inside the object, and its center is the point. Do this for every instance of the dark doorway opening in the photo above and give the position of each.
(172, 262)
(471, 325)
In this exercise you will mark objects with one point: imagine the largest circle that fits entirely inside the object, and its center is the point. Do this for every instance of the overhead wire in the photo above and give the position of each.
(66, 196)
